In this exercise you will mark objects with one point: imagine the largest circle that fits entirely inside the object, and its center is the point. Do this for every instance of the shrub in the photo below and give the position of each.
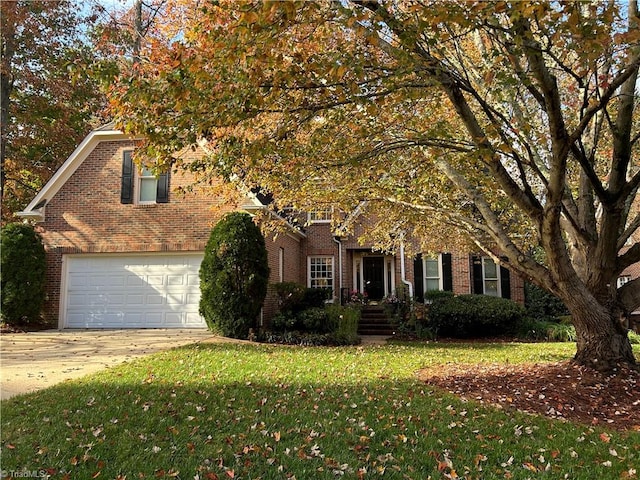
(22, 273)
(474, 316)
(284, 321)
(431, 295)
(546, 330)
(345, 322)
(316, 297)
(234, 275)
(290, 296)
(541, 304)
(314, 320)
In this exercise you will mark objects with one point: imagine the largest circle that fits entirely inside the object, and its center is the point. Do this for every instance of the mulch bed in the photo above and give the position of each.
(558, 390)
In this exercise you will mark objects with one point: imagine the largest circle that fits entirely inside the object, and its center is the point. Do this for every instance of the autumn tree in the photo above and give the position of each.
(508, 126)
(48, 102)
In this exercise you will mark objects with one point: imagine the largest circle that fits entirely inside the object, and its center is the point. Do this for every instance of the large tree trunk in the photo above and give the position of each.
(602, 342)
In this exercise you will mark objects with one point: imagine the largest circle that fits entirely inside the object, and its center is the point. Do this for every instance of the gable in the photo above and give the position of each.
(36, 208)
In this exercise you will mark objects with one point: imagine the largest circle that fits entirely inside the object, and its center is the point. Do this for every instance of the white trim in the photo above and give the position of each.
(333, 268)
(389, 271)
(311, 221)
(424, 272)
(137, 191)
(68, 168)
(496, 278)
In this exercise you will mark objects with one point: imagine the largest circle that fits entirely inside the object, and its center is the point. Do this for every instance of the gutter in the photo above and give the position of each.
(337, 240)
(403, 272)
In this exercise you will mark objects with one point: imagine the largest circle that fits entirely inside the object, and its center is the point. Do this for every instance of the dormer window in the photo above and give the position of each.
(140, 185)
(322, 215)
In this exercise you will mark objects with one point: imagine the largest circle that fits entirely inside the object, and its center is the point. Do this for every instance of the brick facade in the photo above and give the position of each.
(86, 216)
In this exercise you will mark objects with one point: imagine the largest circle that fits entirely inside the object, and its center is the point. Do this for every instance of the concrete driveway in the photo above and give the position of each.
(36, 360)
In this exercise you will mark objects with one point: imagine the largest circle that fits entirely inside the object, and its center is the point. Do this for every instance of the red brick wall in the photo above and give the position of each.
(291, 246)
(86, 216)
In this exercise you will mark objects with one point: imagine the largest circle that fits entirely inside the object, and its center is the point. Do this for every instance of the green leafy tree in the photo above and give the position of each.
(500, 125)
(234, 275)
(48, 102)
(22, 273)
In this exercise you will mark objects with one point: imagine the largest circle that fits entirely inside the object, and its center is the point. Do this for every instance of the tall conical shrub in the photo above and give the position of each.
(234, 275)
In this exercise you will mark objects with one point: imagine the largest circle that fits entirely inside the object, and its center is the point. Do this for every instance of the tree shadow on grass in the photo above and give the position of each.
(272, 412)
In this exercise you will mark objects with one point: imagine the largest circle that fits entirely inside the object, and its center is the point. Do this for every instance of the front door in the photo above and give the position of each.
(373, 276)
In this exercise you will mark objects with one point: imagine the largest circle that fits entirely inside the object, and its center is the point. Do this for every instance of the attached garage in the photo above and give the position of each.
(131, 291)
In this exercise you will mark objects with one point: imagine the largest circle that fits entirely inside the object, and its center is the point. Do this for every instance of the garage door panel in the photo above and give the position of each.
(155, 291)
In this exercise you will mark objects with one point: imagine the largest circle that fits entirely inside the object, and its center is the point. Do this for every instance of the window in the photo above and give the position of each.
(281, 264)
(141, 186)
(147, 186)
(432, 274)
(321, 272)
(490, 277)
(320, 216)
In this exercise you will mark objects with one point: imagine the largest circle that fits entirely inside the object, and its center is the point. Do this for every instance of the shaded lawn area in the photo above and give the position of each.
(212, 411)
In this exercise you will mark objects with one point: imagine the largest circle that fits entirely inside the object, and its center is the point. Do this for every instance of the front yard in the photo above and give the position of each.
(256, 411)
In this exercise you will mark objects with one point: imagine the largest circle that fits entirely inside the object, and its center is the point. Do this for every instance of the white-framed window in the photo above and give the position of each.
(147, 186)
(432, 268)
(491, 277)
(320, 272)
(322, 215)
(139, 185)
(281, 264)
(622, 280)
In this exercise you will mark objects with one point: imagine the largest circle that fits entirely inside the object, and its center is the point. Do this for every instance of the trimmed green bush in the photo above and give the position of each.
(22, 273)
(234, 275)
(314, 320)
(542, 305)
(474, 316)
(290, 295)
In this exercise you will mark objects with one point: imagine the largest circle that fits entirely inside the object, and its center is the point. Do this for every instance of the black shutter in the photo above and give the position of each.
(505, 282)
(477, 281)
(126, 188)
(162, 193)
(447, 273)
(418, 278)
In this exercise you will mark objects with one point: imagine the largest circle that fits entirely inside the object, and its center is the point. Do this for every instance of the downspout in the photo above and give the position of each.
(403, 272)
(337, 240)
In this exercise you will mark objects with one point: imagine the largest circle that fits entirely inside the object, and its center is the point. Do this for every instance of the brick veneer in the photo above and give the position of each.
(86, 216)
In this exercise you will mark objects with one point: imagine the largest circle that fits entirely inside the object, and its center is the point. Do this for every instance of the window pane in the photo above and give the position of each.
(491, 288)
(323, 215)
(148, 188)
(431, 267)
(490, 270)
(321, 272)
(432, 284)
(145, 172)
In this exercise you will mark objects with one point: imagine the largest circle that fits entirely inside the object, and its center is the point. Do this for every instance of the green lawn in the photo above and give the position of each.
(275, 412)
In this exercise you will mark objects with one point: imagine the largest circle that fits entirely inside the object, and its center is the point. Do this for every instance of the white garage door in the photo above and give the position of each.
(141, 291)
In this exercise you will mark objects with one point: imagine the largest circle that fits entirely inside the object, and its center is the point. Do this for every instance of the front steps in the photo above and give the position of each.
(374, 321)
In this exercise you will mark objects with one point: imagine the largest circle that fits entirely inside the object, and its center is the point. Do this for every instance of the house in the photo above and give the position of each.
(124, 247)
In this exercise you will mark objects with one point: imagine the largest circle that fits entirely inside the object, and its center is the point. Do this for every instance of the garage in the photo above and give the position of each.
(131, 291)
